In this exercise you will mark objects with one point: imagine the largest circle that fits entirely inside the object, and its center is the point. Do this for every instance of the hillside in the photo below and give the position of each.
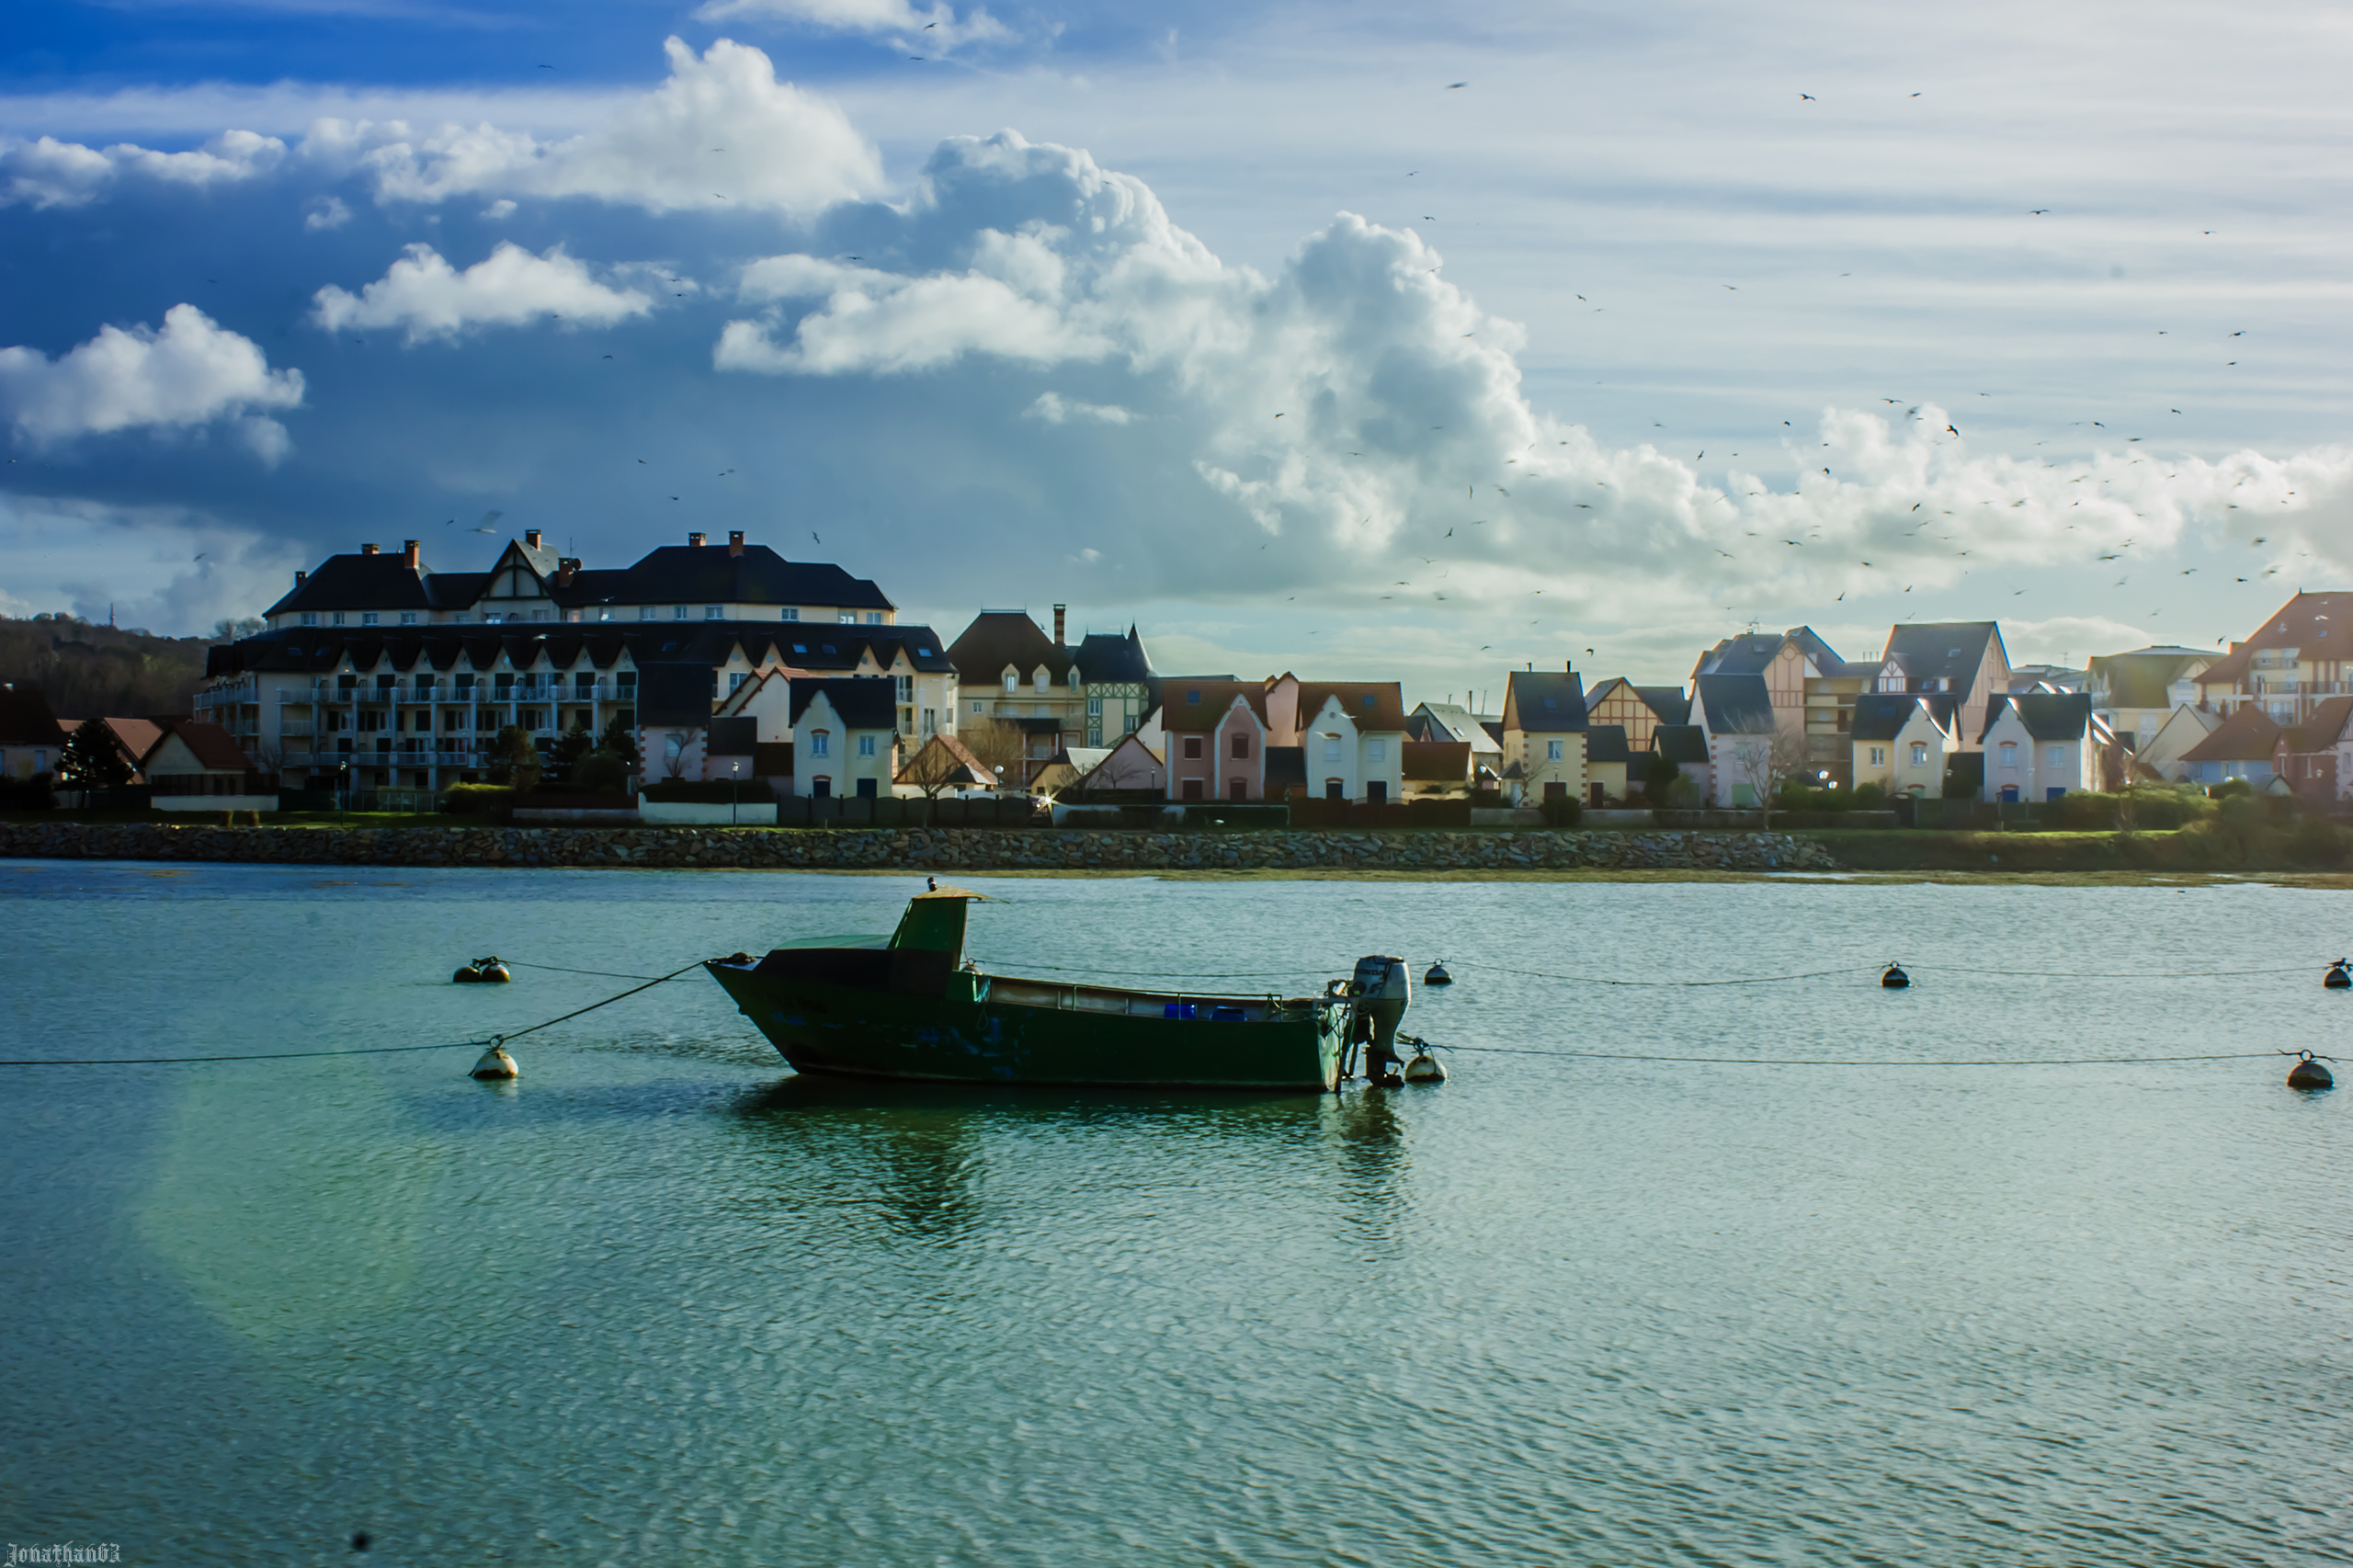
(85, 671)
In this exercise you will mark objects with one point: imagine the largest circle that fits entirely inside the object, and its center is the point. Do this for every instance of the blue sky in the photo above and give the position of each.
(1246, 323)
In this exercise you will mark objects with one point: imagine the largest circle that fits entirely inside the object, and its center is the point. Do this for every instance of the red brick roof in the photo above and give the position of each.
(2247, 735)
(2318, 626)
(1385, 711)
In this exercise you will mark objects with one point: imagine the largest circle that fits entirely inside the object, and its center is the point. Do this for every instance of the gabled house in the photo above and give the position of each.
(2303, 654)
(1130, 765)
(1964, 660)
(959, 770)
(132, 738)
(1352, 735)
(2243, 745)
(1436, 770)
(1544, 727)
(2042, 746)
(2137, 692)
(1735, 713)
(1218, 736)
(2315, 757)
(2161, 754)
(1608, 760)
(1685, 745)
(1088, 695)
(1812, 689)
(844, 737)
(30, 736)
(1637, 710)
(197, 767)
(1453, 721)
(1902, 740)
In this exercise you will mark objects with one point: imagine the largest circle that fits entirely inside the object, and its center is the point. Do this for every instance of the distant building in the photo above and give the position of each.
(1960, 659)
(2042, 746)
(1902, 740)
(1544, 726)
(30, 736)
(1452, 722)
(1218, 734)
(1090, 695)
(2137, 692)
(1811, 689)
(2299, 657)
(2162, 753)
(1735, 713)
(1351, 735)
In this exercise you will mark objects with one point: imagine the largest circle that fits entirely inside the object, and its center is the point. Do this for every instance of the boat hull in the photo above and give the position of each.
(903, 1018)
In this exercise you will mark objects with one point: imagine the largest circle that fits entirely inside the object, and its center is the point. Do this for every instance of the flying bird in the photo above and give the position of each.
(1808, 98)
(1451, 86)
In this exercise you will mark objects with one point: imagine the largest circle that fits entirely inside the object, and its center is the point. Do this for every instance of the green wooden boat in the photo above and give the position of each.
(907, 1006)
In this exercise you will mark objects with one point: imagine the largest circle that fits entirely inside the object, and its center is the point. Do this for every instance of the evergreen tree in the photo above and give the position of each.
(91, 760)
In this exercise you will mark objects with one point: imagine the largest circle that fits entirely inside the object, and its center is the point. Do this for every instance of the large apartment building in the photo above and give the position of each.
(1094, 693)
(375, 671)
(2297, 659)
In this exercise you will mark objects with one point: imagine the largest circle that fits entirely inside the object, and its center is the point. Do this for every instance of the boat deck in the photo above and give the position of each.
(1124, 1003)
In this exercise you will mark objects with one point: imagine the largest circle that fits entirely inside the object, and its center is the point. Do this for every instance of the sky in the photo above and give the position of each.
(1363, 340)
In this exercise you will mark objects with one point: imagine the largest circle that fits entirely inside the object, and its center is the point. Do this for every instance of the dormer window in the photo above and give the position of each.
(1041, 679)
(678, 612)
(1013, 680)
(367, 617)
(309, 617)
(1073, 679)
(1192, 697)
(791, 613)
(714, 612)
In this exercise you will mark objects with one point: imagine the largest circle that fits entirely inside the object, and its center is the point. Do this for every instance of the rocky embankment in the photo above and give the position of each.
(968, 849)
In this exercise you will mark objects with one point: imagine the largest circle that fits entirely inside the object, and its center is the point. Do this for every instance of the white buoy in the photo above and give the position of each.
(496, 1065)
(1424, 1069)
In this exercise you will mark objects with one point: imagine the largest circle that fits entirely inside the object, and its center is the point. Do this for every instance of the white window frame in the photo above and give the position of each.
(820, 742)
(866, 745)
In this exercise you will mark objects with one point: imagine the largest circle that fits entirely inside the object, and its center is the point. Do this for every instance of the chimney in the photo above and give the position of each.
(300, 576)
(367, 550)
(1570, 666)
(1058, 624)
(409, 554)
(565, 568)
(531, 538)
(735, 541)
(695, 540)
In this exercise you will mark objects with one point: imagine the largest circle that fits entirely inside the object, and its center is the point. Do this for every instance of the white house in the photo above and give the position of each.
(2161, 751)
(1351, 735)
(1735, 713)
(844, 742)
(2041, 746)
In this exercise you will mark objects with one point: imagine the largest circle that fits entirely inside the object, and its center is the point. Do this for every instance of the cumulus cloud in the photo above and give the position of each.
(324, 212)
(192, 373)
(50, 173)
(174, 570)
(1362, 419)
(721, 132)
(426, 297)
(939, 29)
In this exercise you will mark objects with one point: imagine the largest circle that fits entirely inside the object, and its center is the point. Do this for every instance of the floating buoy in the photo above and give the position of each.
(1894, 979)
(492, 971)
(1438, 975)
(2308, 1074)
(1424, 1069)
(2340, 976)
(467, 975)
(496, 1065)
(1389, 1080)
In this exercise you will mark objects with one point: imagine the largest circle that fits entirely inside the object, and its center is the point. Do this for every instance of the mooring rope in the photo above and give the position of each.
(1857, 1061)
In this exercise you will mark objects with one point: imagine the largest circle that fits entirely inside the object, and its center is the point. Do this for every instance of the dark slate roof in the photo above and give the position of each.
(2047, 715)
(1544, 702)
(676, 694)
(672, 574)
(1671, 703)
(1681, 743)
(25, 719)
(2139, 679)
(1743, 655)
(1000, 637)
(2247, 735)
(1181, 713)
(1494, 728)
(1105, 659)
(1949, 651)
(1607, 743)
(1734, 704)
(863, 702)
(1881, 715)
(316, 649)
(1286, 768)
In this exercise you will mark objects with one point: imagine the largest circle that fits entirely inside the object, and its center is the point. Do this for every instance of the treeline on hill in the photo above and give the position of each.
(88, 672)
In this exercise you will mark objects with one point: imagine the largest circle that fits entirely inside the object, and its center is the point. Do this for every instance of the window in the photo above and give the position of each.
(1192, 697)
(1131, 724)
(1192, 788)
(1920, 753)
(491, 618)
(1041, 680)
(1238, 789)
(1241, 747)
(2055, 757)
(976, 710)
(1192, 748)
(714, 612)
(1331, 748)
(874, 618)
(2010, 753)
(1552, 751)
(1072, 680)
(337, 616)
(1095, 707)
(645, 612)
(734, 679)
(408, 618)
(820, 743)
(367, 618)
(309, 617)
(1879, 757)
(678, 612)
(1013, 680)
(1378, 751)
(849, 617)
(866, 745)
(904, 688)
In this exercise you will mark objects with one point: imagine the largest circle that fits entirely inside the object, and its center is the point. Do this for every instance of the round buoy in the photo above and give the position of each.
(1438, 975)
(494, 972)
(1389, 1080)
(2309, 1074)
(1424, 1069)
(1894, 979)
(496, 1065)
(2339, 978)
(467, 975)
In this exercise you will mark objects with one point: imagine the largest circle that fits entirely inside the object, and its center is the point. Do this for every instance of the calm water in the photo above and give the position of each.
(663, 1301)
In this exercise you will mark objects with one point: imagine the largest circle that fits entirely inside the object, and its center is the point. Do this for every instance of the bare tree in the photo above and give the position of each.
(997, 745)
(1765, 763)
(944, 763)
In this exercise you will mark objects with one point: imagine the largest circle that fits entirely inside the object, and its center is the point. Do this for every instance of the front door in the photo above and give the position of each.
(820, 787)
(1237, 789)
(1376, 791)
(1335, 789)
(866, 789)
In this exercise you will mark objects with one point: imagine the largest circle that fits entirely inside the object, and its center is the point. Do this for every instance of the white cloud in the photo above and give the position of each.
(190, 373)
(50, 173)
(424, 295)
(170, 569)
(1055, 409)
(721, 132)
(324, 212)
(936, 29)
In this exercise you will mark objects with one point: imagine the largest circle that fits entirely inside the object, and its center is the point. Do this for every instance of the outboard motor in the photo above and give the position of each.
(1384, 989)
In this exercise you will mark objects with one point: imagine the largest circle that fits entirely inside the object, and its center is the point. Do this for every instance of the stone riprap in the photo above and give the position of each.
(966, 850)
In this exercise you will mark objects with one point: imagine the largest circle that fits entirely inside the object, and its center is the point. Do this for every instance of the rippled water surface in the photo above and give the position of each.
(662, 1300)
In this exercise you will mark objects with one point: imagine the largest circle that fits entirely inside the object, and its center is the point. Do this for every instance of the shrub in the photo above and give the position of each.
(602, 772)
(33, 794)
(1867, 797)
(478, 800)
(707, 791)
(1562, 811)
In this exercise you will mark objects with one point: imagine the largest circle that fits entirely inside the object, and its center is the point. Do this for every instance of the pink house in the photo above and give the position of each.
(1217, 739)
